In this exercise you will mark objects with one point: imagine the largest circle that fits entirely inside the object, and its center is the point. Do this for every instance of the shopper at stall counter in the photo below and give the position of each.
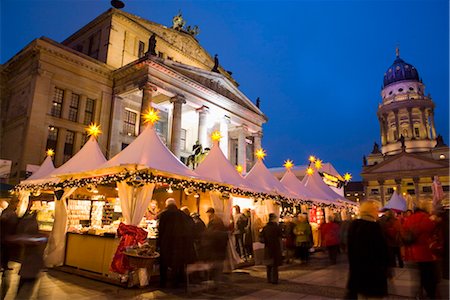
(271, 237)
(329, 233)
(172, 242)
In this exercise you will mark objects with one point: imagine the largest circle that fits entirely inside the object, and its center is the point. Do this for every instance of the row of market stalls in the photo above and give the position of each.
(84, 200)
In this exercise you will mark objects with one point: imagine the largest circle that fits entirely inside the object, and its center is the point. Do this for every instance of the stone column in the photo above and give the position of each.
(82, 109)
(224, 122)
(60, 143)
(381, 183)
(416, 181)
(411, 123)
(202, 126)
(382, 131)
(398, 182)
(397, 125)
(433, 129)
(425, 124)
(177, 101)
(385, 129)
(257, 140)
(366, 194)
(147, 91)
(66, 104)
(242, 145)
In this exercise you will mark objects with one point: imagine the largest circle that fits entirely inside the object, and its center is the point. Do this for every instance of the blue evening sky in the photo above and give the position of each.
(317, 65)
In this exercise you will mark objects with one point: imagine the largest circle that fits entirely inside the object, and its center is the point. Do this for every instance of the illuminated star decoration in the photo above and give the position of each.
(151, 116)
(93, 130)
(288, 164)
(50, 152)
(318, 164)
(260, 153)
(312, 158)
(309, 171)
(239, 168)
(347, 176)
(216, 136)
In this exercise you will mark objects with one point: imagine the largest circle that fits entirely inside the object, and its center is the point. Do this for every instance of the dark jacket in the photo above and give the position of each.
(215, 240)
(271, 237)
(175, 237)
(368, 258)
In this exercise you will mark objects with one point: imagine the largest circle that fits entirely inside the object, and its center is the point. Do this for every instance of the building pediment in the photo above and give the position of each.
(406, 162)
(216, 82)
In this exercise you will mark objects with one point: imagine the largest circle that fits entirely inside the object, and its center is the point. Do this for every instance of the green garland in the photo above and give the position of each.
(139, 178)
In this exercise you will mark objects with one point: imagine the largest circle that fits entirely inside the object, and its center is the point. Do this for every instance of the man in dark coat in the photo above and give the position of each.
(172, 242)
(8, 224)
(271, 237)
(367, 254)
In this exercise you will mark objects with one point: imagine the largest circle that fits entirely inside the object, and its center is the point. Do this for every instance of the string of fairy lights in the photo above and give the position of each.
(138, 178)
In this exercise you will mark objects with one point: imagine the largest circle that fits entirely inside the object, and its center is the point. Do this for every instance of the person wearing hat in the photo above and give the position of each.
(271, 237)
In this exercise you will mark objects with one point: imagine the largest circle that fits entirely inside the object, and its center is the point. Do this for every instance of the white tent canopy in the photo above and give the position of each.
(148, 151)
(44, 171)
(294, 185)
(319, 189)
(397, 202)
(216, 167)
(261, 178)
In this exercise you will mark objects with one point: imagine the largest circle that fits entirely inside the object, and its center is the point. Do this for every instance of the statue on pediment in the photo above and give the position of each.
(376, 148)
(216, 64)
(152, 45)
(402, 141)
(193, 30)
(440, 141)
(178, 22)
(364, 161)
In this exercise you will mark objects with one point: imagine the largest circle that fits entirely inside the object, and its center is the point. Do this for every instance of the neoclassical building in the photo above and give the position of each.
(411, 152)
(110, 72)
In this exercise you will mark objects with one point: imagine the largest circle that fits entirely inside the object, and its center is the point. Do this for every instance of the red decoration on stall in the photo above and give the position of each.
(130, 236)
(312, 215)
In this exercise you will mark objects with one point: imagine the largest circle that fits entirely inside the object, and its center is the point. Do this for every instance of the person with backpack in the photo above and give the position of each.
(240, 223)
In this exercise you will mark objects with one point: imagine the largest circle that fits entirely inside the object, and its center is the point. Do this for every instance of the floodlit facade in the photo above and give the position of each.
(411, 152)
(110, 72)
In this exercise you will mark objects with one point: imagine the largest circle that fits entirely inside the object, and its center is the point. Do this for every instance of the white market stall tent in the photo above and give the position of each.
(397, 203)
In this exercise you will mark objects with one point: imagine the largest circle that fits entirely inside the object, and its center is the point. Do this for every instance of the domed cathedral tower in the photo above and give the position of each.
(406, 115)
(411, 155)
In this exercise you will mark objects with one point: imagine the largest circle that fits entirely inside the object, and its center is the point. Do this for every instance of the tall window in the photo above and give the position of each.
(416, 131)
(68, 145)
(58, 98)
(141, 50)
(129, 122)
(52, 138)
(89, 111)
(73, 108)
(183, 139)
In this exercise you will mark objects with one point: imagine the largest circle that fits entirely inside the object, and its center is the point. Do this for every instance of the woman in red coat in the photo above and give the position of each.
(330, 238)
(418, 232)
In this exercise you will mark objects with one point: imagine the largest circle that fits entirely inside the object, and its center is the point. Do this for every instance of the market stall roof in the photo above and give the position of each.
(44, 170)
(90, 156)
(295, 186)
(314, 183)
(216, 167)
(261, 178)
(148, 151)
(397, 203)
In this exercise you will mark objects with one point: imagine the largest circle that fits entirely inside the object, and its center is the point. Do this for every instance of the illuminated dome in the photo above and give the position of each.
(399, 71)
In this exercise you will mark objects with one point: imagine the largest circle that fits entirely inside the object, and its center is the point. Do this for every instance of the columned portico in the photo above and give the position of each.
(381, 183)
(397, 126)
(416, 181)
(147, 91)
(433, 129)
(426, 129)
(202, 125)
(411, 122)
(224, 123)
(242, 145)
(175, 142)
(257, 140)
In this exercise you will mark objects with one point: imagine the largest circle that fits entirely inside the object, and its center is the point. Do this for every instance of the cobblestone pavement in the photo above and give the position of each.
(315, 280)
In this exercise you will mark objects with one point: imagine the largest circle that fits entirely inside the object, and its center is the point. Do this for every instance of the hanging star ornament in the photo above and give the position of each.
(312, 158)
(50, 152)
(288, 164)
(318, 164)
(347, 176)
(260, 153)
(93, 130)
(216, 136)
(151, 116)
(239, 168)
(309, 171)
